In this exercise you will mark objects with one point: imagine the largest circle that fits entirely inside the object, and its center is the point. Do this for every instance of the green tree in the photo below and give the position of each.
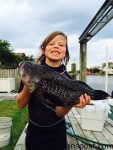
(27, 58)
(6, 53)
(103, 65)
(110, 65)
(8, 59)
(94, 70)
(5, 50)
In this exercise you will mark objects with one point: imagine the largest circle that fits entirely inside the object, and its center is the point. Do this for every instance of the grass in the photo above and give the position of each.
(19, 117)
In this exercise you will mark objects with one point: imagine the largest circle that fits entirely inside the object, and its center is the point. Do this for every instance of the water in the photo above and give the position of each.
(98, 82)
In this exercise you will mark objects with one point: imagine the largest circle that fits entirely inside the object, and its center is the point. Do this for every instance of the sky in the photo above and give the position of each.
(25, 24)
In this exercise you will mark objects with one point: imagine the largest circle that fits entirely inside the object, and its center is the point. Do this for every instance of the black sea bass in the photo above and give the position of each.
(43, 81)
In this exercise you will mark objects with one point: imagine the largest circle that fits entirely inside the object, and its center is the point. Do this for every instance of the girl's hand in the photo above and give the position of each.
(23, 97)
(61, 111)
(84, 100)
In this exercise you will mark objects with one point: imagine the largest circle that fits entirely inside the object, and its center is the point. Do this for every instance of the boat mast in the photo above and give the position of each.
(106, 71)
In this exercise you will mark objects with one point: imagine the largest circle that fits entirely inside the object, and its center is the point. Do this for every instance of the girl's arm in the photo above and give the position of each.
(61, 111)
(23, 97)
(84, 100)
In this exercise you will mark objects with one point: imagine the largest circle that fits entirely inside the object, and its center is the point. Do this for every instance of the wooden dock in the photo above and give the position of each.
(105, 136)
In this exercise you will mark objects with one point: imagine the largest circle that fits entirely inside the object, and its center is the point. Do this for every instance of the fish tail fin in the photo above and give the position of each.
(100, 95)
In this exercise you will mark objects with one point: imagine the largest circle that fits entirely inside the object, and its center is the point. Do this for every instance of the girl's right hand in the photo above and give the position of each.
(23, 97)
(84, 100)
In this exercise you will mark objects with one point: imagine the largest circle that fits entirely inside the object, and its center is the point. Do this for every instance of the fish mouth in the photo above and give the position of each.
(20, 67)
(21, 64)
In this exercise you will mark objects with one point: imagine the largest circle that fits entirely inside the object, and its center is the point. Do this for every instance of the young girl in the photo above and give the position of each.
(46, 129)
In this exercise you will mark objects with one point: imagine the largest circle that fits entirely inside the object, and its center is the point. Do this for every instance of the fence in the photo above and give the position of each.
(11, 73)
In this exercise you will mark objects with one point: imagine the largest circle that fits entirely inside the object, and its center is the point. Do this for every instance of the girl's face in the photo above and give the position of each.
(56, 49)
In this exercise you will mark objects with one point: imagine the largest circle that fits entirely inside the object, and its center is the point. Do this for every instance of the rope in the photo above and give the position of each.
(87, 141)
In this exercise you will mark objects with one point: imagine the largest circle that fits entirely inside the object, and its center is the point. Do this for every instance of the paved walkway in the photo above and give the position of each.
(20, 145)
(7, 96)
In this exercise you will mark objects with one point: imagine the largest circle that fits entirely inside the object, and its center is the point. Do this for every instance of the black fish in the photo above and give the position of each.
(44, 82)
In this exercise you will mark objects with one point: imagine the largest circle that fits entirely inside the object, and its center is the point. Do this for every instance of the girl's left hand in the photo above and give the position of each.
(84, 100)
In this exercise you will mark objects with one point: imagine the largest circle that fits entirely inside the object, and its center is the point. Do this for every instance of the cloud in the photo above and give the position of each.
(97, 51)
(26, 23)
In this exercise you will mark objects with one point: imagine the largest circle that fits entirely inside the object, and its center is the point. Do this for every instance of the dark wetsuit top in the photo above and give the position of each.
(46, 131)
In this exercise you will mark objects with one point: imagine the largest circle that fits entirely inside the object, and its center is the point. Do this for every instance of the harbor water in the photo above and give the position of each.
(98, 82)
